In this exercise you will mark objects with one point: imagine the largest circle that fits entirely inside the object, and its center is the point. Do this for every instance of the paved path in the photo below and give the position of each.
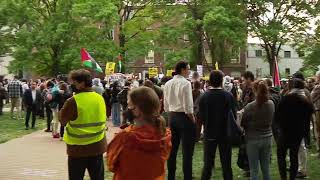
(36, 156)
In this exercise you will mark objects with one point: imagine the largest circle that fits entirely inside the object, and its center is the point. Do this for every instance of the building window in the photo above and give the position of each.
(258, 53)
(287, 54)
(287, 71)
(150, 58)
(259, 72)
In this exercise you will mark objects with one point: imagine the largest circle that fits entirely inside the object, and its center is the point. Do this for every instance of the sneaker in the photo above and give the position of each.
(47, 130)
(301, 175)
(56, 136)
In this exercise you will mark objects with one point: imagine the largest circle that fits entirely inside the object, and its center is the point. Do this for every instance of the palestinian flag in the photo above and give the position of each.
(89, 62)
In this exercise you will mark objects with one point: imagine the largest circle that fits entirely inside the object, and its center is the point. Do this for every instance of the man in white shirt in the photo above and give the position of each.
(178, 102)
(31, 99)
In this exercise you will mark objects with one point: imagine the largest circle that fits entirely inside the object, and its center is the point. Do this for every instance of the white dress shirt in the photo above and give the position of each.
(178, 95)
(33, 92)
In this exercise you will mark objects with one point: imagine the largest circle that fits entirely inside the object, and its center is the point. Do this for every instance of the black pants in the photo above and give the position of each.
(307, 137)
(282, 149)
(78, 166)
(31, 109)
(1, 106)
(182, 129)
(61, 131)
(225, 151)
(49, 116)
(41, 110)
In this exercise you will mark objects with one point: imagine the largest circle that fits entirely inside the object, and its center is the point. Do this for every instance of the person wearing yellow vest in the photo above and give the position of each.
(84, 116)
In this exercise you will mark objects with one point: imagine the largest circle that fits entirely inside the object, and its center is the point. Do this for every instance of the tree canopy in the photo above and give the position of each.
(278, 22)
(46, 36)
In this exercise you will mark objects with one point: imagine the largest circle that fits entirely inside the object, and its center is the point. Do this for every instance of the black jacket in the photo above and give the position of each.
(27, 98)
(214, 108)
(293, 116)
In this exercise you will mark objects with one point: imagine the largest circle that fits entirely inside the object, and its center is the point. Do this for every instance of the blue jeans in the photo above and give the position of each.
(116, 107)
(259, 151)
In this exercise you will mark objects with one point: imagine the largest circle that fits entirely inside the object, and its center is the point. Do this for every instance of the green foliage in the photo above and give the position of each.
(309, 48)
(194, 26)
(278, 22)
(50, 34)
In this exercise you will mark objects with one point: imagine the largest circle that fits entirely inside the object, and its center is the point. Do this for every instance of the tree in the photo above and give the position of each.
(5, 33)
(49, 34)
(278, 22)
(199, 25)
(138, 27)
(309, 47)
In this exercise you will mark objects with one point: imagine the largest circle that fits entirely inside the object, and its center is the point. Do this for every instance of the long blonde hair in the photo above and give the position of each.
(148, 103)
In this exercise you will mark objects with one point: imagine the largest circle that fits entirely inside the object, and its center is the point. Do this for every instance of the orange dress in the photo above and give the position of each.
(139, 153)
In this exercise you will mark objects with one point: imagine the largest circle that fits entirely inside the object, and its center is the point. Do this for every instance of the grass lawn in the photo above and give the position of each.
(14, 128)
(313, 166)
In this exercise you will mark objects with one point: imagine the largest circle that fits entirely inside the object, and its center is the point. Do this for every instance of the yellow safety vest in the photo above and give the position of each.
(90, 125)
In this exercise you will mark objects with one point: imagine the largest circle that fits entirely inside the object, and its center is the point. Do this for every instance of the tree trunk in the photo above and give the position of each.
(55, 61)
(271, 52)
(199, 54)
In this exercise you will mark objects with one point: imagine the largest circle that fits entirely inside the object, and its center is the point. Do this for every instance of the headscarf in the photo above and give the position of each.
(227, 83)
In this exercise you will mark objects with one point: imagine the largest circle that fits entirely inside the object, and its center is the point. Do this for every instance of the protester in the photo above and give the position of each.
(214, 108)
(302, 155)
(157, 89)
(15, 95)
(256, 121)
(310, 84)
(65, 94)
(47, 107)
(315, 95)
(84, 116)
(236, 91)
(3, 96)
(53, 98)
(247, 97)
(274, 96)
(32, 100)
(195, 77)
(196, 93)
(293, 116)
(247, 94)
(107, 99)
(227, 84)
(42, 100)
(116, 107)
(97, 86)
(178, 102)
(123, 95)
(140, 151)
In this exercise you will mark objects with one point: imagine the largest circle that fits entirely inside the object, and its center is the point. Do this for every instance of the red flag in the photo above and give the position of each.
(276, 75)
(85, 55)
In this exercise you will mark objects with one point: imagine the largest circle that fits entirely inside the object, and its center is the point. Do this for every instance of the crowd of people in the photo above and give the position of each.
(156, 116)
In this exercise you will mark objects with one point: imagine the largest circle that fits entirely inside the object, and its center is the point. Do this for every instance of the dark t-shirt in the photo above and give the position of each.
(214, 107)
(247, 96)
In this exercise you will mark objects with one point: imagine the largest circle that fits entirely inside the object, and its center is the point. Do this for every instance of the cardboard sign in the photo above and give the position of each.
(110, 67)
(200, 70)
(169, 72)
(153, 72)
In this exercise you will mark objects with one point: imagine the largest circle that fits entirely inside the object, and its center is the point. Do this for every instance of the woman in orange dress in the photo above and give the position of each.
(141, 150)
